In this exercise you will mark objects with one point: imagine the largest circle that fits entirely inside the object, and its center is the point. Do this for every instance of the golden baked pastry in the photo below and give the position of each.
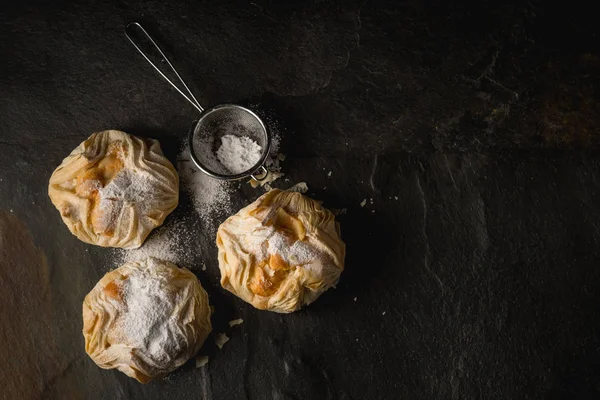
(146, 319)
(114, 188)
(280, 252)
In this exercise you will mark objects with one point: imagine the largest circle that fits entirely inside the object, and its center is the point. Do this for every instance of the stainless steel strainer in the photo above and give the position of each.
(212, 123)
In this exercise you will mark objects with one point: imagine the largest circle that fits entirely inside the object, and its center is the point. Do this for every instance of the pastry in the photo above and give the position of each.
(280, 252)
(146, 319)
(114, 188)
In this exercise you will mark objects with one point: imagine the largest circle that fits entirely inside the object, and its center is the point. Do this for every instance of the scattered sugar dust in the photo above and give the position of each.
(170, 242)
(212, 197)
(212, 202)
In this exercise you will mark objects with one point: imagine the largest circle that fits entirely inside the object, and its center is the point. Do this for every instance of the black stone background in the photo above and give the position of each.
(481, 118)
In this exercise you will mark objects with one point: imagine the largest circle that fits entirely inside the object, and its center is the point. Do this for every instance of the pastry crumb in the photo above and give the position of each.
(300, 187)
(221, 339)
(396, 197)
(201, 361)
(355, 298)
(363, 203)
(203, 267)
(383, 313)
(329, 174)
(235, 322)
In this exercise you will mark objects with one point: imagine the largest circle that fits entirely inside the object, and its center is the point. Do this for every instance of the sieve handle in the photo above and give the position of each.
(264, 173)
(189, 96)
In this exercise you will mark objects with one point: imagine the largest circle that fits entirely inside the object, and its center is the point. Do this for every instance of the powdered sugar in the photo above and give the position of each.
(293, 253)
(238, 154)
(128, 187)
(211, 196)
(169, 243)
(150, 320)
(268, 241)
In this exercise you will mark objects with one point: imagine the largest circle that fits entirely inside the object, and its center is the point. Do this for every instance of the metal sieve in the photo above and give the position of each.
(212, 123)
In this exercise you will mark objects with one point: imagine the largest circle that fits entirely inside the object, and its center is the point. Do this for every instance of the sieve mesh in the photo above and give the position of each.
(224, 120)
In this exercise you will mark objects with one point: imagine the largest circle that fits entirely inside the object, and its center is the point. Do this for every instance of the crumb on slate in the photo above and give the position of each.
(201, 361)
(300, 187)
(221, 339)
(235, 322)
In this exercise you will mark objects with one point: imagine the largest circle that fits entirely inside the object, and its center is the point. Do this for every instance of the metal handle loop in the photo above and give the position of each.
(264, 172)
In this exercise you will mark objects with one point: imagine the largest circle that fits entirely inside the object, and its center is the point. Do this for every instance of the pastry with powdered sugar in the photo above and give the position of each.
(146, 319)
(281, 252)
(114, 189)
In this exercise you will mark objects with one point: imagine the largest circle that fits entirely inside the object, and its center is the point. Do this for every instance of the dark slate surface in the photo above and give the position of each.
(480, 281)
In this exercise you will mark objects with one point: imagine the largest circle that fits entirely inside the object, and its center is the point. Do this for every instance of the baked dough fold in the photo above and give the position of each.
(114, 188)
(146, 319)
(281, 252)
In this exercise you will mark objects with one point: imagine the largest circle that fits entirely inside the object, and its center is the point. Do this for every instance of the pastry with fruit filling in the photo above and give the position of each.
(114, 188)
(146, 319)
(280, 252)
